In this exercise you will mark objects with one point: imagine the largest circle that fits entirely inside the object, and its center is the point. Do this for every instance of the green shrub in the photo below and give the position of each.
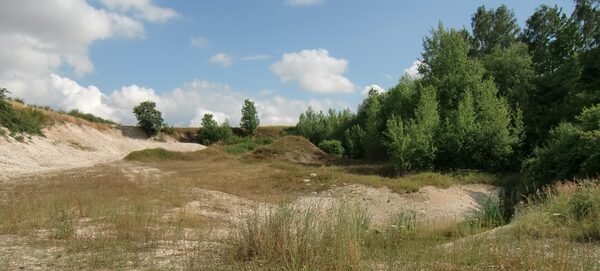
(571, 151)
(89, 117)
(333, 147)
(23, 120)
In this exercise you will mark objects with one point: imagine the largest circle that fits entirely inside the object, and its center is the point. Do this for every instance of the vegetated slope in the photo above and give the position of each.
(291, 148)
(68, 145)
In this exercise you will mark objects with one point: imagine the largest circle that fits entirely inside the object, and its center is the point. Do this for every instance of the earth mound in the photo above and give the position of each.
(291, 148)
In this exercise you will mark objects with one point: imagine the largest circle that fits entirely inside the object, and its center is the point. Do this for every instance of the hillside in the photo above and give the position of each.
(69, 142)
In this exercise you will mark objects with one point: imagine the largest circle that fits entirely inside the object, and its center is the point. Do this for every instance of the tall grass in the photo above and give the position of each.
(313, 238)
(490, 213)
(566, 210)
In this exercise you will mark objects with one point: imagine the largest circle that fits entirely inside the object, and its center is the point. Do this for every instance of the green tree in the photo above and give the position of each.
(211, 132)
(512, 71)
(249, 119)
(411, 144)
(447, 67)
(494, 28)
(149, 118)
(354, 139)
(369, 117)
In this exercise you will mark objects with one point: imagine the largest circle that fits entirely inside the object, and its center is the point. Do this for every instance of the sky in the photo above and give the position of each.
(196, 57)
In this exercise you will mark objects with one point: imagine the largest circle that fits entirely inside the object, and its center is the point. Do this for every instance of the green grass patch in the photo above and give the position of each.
(242, 145)
(160, 154)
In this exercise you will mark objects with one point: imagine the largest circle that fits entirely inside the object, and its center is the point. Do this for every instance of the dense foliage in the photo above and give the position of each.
(499, 97)
(149, 118)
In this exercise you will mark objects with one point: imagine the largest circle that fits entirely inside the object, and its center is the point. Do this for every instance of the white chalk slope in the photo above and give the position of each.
(68, 146)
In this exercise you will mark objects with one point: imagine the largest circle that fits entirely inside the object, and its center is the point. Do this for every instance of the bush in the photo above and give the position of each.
(571, 151)
(333, 147)
(149, 119)
(23, 120)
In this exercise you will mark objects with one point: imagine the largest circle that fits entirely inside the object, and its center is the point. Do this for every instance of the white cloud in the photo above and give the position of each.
(40, 37)
(303, 3)
(256, 58)
(365, 91)
(413, 71)
(200, 41)
(143, 9)
(222, 59)
(74, 96)
(183, 106)
(315, 71)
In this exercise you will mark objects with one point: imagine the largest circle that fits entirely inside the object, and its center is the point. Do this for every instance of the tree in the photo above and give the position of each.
(3, 92)
(512, 71)
(249, 119)
(411, 144)
(447, 67)
(149, 119)
(210, 130)
(493, 29)
(369, 118)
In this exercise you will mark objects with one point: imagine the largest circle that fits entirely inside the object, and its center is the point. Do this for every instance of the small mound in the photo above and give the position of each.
(160, 154)
(291, 148)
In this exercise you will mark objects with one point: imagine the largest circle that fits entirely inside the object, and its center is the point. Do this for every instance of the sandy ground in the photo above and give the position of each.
(431, 205)
(69, 146)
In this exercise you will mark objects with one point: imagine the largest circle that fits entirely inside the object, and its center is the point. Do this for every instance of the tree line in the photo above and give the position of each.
(151, 122)
(495, 97)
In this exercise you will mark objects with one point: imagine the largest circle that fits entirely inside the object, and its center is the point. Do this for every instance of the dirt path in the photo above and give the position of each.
(69, 146)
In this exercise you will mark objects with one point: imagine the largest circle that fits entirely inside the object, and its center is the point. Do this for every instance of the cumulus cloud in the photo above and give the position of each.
(365, 91)
(315, 71)
(303, 3)
(413, 71)
(36, 44)
(200, 42)
(142, 9)
(256, 58)
(222, 59)
(182, 106)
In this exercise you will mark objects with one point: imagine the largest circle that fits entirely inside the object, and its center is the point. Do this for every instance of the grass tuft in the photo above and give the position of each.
(302, 239)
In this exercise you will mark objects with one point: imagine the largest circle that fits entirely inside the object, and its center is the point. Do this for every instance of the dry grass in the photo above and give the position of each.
(132, 215)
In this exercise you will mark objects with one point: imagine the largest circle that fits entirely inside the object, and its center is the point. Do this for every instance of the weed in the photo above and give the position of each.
(490, 213)
(62, 225)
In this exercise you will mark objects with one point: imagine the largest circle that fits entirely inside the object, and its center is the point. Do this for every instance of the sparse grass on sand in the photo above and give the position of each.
(133, 215)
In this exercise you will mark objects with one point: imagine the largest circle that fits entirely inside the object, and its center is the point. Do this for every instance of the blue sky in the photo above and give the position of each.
(363, 42)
